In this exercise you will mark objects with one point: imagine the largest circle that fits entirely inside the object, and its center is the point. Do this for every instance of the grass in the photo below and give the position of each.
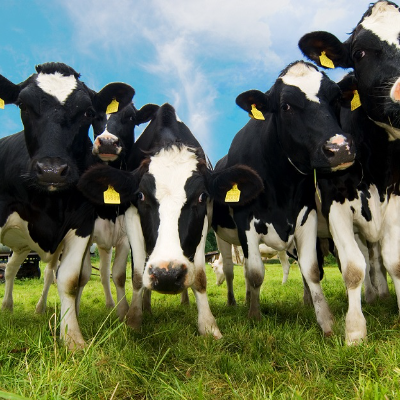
(284, 356)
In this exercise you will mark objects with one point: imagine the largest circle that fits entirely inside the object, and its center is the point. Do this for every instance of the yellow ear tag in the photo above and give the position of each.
(356, 101)
(112, 107)
(233, 195)
(326, 61)
(111, 196)
(257, 114)
(2, 103)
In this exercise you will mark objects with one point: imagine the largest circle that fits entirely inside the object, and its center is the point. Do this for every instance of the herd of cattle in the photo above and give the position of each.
(317, 159)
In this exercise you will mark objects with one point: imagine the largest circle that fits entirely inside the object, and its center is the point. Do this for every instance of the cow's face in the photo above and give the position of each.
(114, 133)
(304, 102)
(373, 50)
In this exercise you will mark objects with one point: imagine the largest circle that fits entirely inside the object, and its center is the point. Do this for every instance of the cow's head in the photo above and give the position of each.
(56, 111)
(113, 128)
(172, 192)
(304, 104)
(373, 51)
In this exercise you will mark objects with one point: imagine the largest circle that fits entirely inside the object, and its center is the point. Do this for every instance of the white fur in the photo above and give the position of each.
(384, 22)
(57, 85)
(306, 78)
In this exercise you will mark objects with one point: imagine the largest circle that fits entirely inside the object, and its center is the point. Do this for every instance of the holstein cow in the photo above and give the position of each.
(171, 192)
(366, 198)
(113, 131)
(40, 207)
(295, 133)
(223, 266)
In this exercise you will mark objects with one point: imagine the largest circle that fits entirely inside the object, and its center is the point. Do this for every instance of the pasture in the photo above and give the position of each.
(284, 356)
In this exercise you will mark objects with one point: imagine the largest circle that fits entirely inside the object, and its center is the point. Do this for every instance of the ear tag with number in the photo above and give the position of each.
(256, 114)
(2, 103)
(356, 101)
(111, 196)
(326, 61)
(112, 107)
(233, 195)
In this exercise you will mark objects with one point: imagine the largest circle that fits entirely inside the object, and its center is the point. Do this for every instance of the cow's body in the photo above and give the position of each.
(300, 133)
(366, 198)
(170, 190)
(40, 206)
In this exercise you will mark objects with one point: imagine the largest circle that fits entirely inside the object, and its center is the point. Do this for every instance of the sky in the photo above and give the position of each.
(197, 55)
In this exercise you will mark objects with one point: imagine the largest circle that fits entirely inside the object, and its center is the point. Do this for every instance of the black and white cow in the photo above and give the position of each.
(297, 134)
(40, 206)
(366, 198)
(170, 189)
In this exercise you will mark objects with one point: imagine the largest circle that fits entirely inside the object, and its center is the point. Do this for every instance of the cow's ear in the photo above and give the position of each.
(122, 93)
(146, 113)
(9, 91)
(253, 101)
(235, 186)
(326, 50)
(100, 178)
(348, 86)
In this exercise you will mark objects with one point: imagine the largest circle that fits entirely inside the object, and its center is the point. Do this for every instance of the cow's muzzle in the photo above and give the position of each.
(339, 151)
(168, 277)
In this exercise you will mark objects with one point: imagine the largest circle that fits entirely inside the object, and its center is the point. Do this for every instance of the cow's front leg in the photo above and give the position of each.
(306, 238)
(68, 287)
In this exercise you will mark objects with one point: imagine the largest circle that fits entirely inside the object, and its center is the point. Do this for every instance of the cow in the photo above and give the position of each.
(40, 207)
(170, 187)
(113, 131)
(223, 266)
(294, 132)
(365, 198)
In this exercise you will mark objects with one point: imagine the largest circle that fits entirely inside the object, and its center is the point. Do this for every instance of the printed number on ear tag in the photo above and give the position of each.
(112, 107)
(233, 195)
(2, 103)
(256, 114)
(326, 61)
(111, 196)
(356, 101)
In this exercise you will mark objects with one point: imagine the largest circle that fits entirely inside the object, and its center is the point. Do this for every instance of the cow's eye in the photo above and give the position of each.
(285, 107)
(203, 197)
(140, 196)
(359, 54)
(90, 112)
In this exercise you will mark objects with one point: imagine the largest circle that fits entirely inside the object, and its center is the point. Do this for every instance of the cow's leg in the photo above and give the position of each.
(370, 292)
(378, 274)
(49, 273)
(353, 267)
(225, 249)
(206, 321)
(147, 300)
(254, 272)
(390, 243)
(284, 259)
(306, 237)
(185, 298)
(14, 262)
(135, 236)
(119, 276)
(68, 287)
(105, 255)
(86, 272)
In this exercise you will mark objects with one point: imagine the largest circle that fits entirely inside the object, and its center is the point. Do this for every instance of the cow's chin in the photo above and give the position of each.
(107, 157)
(53, 187)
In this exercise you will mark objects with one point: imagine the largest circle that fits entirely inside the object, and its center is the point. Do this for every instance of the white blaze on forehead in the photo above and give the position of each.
(171, 169)
(306, 78)
(384, 22)
(57, 85)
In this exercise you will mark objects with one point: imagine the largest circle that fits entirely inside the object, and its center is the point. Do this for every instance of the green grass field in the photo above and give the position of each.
(285, 356)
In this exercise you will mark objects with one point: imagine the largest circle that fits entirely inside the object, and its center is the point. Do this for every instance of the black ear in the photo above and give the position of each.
(121, 92)
(146, 113)
(95, 181)
(9, 91)
(246, 179)
(347, 85)
(257, 98)
(313, 44)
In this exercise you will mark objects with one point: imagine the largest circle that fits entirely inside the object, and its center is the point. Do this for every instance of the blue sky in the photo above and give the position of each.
(197, 55)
